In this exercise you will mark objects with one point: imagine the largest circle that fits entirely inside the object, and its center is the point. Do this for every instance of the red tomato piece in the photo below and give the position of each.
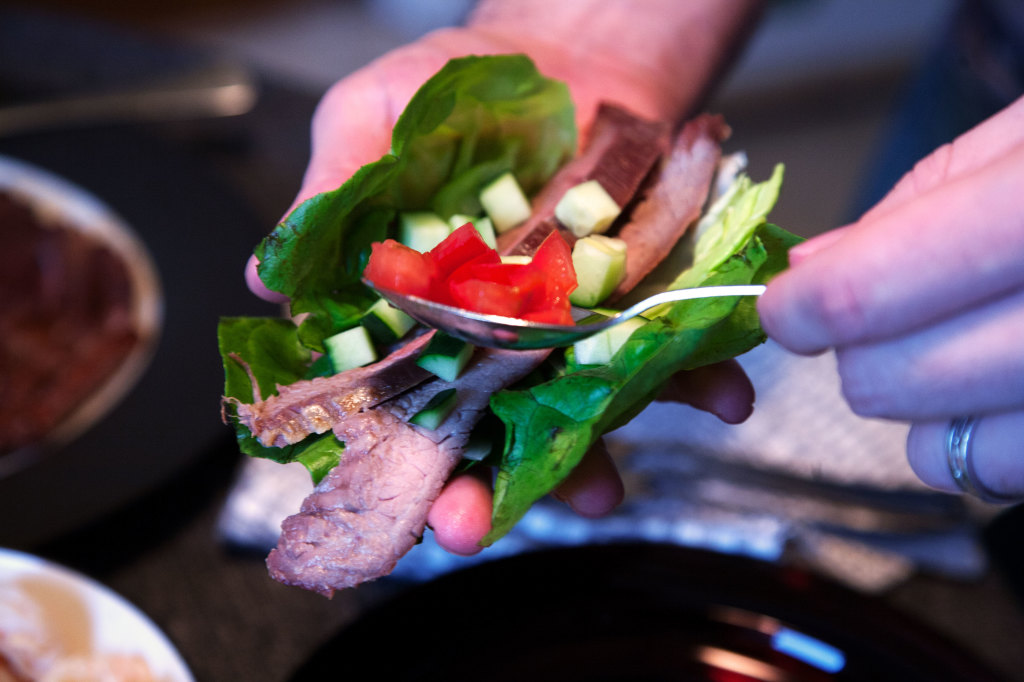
(554, 258)
(464, 272)
(464, 244)
(488, 297)
(552, 315)
(553, 263)
(394, 266)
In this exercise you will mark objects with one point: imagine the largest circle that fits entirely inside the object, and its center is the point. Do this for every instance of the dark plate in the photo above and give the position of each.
(198, 232)
(636, 612)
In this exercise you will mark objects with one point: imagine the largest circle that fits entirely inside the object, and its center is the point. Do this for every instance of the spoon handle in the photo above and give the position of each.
(674, 295)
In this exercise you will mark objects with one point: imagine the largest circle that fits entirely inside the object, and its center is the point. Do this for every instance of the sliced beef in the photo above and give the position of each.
(675, 199)
(315, 405)
(621, 151)
(372, 508)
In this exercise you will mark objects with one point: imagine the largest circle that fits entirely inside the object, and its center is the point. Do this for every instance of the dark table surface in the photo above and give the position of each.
(158, 546)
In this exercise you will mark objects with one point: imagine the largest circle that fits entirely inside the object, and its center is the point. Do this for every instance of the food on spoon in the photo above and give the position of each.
(462, 271)
(377, 472)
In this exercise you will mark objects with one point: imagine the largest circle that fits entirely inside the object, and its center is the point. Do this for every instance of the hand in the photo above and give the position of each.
(922, 300)
(615, 57)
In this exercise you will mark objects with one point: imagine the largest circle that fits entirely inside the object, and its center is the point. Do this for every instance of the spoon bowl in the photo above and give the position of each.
(498, 331)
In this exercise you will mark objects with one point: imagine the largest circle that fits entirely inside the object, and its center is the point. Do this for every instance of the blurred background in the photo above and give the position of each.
(175, 531)
(817, 74)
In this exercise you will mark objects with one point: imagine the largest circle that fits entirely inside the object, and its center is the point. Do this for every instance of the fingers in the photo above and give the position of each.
(995, 454)
(968, 364)
(722, 389)
(461, 515)
(927, 259)
(594, 488)
(256, 285)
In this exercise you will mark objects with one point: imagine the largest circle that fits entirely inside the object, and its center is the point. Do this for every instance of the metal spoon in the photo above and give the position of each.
(497, 331)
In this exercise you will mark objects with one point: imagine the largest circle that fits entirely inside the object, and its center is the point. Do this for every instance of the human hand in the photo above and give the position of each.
(922, 300)
(613, 58)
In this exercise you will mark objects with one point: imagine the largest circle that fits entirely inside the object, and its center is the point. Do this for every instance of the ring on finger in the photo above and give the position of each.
(961, 466)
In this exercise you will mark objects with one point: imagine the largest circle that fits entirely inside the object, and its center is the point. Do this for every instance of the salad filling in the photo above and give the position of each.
(478, 119)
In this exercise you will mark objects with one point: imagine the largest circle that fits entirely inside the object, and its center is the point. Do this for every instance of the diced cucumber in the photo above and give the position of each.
(421, 230)
(386, 323)
(436, 410)
(587, 208)
(350, 348)
(479, 447)
(482, 224)
(505, 202)
(517, 259)
(602, 346)
(600, 264)
(445, 356)
(485, 226)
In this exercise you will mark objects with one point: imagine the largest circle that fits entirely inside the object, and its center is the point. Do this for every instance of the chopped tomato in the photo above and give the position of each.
(553, 262)
(464, 244)
(554, 258)
(482, 296)
(464, 272)
(395, 266)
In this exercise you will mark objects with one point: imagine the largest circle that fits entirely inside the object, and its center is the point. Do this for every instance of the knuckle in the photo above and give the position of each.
(869, 389)
(933, 169)
(842, 309)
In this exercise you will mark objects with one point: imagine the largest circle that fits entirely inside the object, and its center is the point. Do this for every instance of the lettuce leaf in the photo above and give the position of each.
(266, 350)
(477, 118)
(474, 120)
(551, 425)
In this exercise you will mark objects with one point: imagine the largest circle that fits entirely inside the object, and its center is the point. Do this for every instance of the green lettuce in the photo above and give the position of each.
(549, 426)
(474, 120)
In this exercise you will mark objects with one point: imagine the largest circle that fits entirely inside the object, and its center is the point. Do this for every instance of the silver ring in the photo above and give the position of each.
(958, 453)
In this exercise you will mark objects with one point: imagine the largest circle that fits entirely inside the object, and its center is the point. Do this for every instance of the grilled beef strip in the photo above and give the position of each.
(372, 508)
(674, 202)
(315, 405)
(620, 153)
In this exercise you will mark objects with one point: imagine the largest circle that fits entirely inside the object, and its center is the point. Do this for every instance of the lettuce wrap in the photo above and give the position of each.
(476, 119)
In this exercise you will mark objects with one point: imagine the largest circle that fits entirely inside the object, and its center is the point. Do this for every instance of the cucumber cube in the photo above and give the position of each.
(445, 356)
(600, 348)
(600, 264)
(350, 348)
(587, 208)
(421, 230)
(386, 323)
(436, 410)
(505, 202)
